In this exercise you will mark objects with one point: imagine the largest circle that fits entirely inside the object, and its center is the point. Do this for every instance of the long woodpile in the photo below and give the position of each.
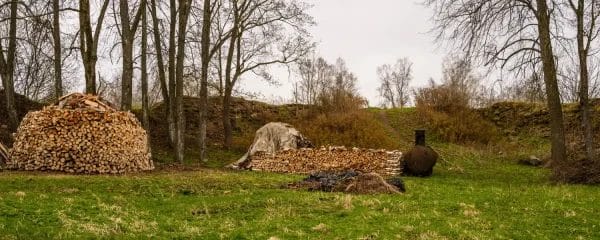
(306, 160)
(80, 134)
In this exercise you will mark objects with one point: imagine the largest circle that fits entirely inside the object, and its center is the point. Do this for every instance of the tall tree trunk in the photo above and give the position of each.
(127, 48)
(89, 42)
(58, 87)
(144, 69)
(86, 46)
(584, 81)
(227, 129)
(559, 153)
(7, 68)
(165, 89)
(184, 10)
(204, 78)
(171, 69)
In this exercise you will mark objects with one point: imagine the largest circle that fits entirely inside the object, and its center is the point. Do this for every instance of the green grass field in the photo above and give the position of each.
(473, 194)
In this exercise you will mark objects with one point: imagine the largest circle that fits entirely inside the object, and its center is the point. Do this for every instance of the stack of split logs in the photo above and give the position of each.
(305, 160)
(80, 134)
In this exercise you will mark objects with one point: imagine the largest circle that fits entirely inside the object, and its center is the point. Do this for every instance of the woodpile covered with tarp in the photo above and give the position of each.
(279, 147)
(81, 134)
(307, 160)
(271, 138)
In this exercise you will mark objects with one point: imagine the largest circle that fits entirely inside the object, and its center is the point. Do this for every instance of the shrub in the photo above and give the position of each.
(465, 126)
(353, 129)
(577, 171)
(446, 110)
(441, 98)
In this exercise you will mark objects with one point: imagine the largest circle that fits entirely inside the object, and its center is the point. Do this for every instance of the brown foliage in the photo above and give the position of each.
(369, 183)
(442, 98)
(579, 171)
(448, 114)
(356, 128)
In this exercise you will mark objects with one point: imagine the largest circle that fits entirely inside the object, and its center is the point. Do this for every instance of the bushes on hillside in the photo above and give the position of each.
(447, 111)
(464, 126)
(351, 129)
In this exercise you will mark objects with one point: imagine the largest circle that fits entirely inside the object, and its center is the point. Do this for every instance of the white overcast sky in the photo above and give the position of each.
(368, 34)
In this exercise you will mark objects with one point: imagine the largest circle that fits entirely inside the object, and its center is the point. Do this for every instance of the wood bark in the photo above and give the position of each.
(227, 128)
(205, 41)
(184, 11)
(7, 68)
(171, 69)
(166, 90)
(58, 86)
(89, 42)
(128, 31)
(583, 52)
(557, 131)
(127, 53)
(144, 69)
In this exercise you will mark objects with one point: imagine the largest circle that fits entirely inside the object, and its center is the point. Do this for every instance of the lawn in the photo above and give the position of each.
(473, 194)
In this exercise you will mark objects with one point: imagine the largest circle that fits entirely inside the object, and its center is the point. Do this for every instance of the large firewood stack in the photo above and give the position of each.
(306, 160)
(80, 134)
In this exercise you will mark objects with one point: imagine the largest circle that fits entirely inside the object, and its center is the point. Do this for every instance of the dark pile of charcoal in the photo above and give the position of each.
(350, 182)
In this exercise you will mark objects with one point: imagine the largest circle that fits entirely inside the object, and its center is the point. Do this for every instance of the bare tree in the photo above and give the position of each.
(338, 89)
(263, 33)
(144, 67)
(394, 82)
(184, 12)
(514, 34)
(402, 78)
(586, 16)
(206, 57)
(128, 32)
(386, 89)
(167, 89)
(7, 67)
(208, 34)
(89, 42)
(58, 83)
(308, 86)
(529, 88)
(33, 64)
